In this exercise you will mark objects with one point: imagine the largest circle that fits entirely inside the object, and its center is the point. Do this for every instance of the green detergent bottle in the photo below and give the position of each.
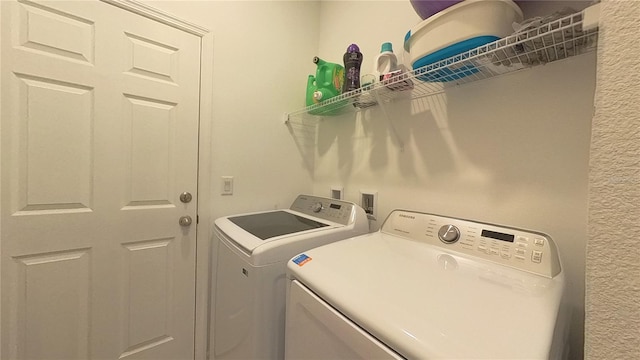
(326, 84)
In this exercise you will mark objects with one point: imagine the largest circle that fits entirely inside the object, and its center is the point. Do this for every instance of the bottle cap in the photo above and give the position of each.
(353, 48)
(386, 47)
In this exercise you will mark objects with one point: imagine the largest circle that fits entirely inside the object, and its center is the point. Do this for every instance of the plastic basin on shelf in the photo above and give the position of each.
(456, 30)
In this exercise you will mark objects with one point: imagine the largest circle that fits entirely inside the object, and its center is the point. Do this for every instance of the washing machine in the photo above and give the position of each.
(248, 309)
(427, 286)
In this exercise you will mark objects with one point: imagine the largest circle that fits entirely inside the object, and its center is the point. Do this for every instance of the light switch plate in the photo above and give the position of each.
(227, 185)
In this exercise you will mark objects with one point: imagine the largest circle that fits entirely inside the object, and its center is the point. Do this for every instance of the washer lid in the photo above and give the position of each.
(276, 223)
(308, 217)
(259, 230)
(425, 302)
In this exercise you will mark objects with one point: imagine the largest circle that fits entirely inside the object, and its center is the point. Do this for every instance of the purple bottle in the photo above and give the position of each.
(352, 61)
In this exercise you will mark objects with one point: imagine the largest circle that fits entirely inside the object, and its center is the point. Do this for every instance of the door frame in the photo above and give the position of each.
(0, 177)
(203, 248)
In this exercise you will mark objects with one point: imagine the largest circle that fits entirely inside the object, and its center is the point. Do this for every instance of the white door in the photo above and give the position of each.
(99, 138)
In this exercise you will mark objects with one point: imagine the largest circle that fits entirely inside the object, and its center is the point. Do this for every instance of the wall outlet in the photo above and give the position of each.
(337, 192)
(369, 202)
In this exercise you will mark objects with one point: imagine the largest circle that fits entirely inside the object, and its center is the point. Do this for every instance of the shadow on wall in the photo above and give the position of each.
(303, 133)
(501, 139)
(536, 139)
(413, 135)
(411, 139)
(426, 128)
(511, 138)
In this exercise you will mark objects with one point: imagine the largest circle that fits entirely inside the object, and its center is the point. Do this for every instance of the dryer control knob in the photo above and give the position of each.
(449, 234)
(317, 207)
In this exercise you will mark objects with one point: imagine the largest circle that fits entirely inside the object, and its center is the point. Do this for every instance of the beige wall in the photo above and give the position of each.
(613, 248)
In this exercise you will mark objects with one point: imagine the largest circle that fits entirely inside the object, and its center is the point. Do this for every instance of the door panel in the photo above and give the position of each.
(63, 277)
(46, 106)
(150, 126)
(148, 295)
(73, 38)
(99, 138)
(151, 59)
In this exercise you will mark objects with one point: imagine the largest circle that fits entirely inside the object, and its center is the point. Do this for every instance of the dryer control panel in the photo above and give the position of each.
(522, 249)
(338, 211)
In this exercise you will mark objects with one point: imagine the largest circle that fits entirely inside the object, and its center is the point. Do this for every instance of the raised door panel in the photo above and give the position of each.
(150, 139)
(52, 161)
(151, 59)
(56, 34)
(148, 295)
(51, 306)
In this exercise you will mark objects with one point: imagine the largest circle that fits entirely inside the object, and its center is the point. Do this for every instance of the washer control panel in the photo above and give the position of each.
(342, 212)
(522, 249)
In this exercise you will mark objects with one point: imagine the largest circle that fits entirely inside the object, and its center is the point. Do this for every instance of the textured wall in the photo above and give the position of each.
(612, 329)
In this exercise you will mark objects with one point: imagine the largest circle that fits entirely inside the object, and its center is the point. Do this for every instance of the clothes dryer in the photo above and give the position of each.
(249, 291)
(428, 287)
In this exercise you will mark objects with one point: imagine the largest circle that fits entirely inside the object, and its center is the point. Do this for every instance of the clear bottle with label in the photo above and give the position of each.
(386, 61)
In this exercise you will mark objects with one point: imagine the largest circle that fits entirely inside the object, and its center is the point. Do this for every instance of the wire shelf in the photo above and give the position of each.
(552, 41)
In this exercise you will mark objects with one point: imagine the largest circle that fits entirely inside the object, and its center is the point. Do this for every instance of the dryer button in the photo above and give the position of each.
(536, 256)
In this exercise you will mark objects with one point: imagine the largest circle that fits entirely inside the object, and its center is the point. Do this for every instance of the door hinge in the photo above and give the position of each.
(197, 219)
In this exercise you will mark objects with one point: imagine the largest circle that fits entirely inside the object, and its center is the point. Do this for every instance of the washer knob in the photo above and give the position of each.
(317, 207)
(449, 234)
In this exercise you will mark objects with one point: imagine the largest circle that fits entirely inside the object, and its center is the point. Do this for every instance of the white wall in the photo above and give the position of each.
(263, 52)
(511, 150)
(613, 251)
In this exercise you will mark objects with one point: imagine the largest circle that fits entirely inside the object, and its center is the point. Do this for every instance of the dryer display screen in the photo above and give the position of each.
(276, 223)
(498, 235)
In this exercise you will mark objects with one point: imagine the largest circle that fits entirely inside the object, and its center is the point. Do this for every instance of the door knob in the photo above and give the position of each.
(185, 220)
(186, 197)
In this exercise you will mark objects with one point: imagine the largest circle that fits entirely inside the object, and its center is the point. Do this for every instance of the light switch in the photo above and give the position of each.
(227, 185)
